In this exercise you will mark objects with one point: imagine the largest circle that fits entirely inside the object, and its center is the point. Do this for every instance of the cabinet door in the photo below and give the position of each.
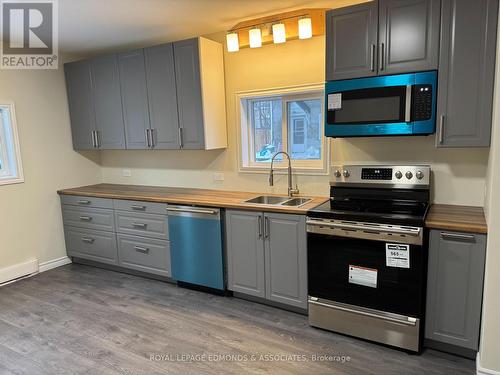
(81, 104)
(134, 98)
(286, 259)
(455, 288)
(466, 72)
(108, 102)
(245, 252)
(189, 102)
(351, 40)
(408, 35)
(162, 96)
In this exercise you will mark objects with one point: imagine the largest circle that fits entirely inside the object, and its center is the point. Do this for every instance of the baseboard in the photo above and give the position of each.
(17, 271)
(54, 263)
(484, 371)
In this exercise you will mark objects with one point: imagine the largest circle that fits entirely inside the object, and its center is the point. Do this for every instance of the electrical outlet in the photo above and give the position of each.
(218, 176)
(126, 173)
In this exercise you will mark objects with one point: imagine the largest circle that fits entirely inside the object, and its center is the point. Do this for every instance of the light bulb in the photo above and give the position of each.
(233, 44)
(305, 28)
(279, 35)
(255, 36)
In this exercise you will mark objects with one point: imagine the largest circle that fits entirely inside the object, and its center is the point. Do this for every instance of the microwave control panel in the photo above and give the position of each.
(422, 102)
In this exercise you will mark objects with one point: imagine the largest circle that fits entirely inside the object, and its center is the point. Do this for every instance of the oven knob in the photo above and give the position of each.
(419, 175)
(346, 173)
(337, 173)
(409, 175)
(398, 175)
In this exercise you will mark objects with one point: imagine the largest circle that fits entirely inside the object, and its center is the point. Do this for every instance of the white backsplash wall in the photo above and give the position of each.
(459, 174)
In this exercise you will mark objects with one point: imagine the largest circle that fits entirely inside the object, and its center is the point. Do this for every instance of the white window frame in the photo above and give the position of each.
(246, 161)
(12, 173)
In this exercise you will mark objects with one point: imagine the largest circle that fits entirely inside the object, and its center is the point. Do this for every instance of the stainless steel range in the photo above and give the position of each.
(367, 254)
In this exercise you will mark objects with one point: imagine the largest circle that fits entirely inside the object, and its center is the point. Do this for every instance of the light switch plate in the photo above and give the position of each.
(127, 173)
(218, 176)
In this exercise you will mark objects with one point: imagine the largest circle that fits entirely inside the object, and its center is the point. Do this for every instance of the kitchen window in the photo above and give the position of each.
(10, 157)
(288, 120)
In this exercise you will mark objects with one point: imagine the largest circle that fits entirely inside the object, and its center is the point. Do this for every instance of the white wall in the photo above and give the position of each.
(459, 174)
(30, 214)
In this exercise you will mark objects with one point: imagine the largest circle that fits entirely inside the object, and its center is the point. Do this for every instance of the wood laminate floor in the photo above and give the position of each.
(83, 320)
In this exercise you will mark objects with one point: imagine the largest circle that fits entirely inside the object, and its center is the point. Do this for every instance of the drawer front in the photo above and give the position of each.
(138, 206)
(144, 254)
(74, 200)
(90, 218)
(146, 225)
(91, 244)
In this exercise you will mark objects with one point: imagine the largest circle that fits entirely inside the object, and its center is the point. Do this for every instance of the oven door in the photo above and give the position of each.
(380, 275)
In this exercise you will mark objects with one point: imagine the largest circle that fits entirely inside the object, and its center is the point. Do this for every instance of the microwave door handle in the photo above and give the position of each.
(408, 103)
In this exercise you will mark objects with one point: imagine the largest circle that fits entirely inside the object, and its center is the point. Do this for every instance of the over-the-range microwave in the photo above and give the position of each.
(403, 104)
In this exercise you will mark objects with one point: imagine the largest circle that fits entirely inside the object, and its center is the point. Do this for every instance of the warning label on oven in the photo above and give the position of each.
(363, 276)
(397, 255)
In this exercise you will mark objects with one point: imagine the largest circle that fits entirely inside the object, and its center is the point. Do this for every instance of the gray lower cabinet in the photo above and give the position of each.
(267, 256)
(382, 37)
(466, 72)
(454, 290)
(134, 98)
(91, 244)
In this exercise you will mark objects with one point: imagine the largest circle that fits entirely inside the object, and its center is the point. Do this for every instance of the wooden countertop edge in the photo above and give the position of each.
(467, 228)
(468, 219)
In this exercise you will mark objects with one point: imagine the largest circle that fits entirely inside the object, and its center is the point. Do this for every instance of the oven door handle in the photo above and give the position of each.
(409, 231)
(408, 321)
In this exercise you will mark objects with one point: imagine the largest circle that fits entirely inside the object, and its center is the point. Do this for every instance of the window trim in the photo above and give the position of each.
(8, 109)
(303, 167)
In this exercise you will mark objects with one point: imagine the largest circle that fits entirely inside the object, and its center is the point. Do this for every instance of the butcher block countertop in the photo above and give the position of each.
(200, 197)
(457, 218)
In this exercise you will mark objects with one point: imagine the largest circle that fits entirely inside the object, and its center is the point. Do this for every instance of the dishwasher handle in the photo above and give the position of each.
(192, 210)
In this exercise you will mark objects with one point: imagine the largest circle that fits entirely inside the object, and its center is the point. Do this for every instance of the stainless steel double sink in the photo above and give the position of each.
(273, 200)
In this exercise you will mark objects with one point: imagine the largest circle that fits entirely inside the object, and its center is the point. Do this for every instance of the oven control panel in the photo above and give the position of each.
(406, 175)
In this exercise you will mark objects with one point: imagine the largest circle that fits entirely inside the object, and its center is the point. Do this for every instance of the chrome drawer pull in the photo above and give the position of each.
(456, 236)
(141, 249)
(87, 240)
(138, 208)
(85, 218)
(83, 202)
(139, 225)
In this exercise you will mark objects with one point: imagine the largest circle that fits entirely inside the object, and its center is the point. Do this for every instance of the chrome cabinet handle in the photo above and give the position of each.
(181, 142)
(137, 207)
(87, 240)
(94, 142)
(457, 236)
(146, 133)
(260, 226)
(267, 228)
(97, 142)
(441, 129)
(382, 62)
(85, 218)
(152, 137)
(83, 202)
(141, 249)
(139, 225)
(372, 58)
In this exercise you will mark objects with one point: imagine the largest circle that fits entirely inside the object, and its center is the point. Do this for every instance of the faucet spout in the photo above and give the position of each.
(291, 190)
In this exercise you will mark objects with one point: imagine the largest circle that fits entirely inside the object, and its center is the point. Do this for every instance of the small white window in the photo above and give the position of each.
(288, 120)
(11, 171)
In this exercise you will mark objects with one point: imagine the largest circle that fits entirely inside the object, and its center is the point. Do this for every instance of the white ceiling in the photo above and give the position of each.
(88, 27)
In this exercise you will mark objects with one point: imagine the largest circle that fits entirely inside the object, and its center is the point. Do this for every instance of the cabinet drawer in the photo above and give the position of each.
(90, 218)
(74, 200)
(91, 244)
(138, 206)
(144, 254)
(146, 225)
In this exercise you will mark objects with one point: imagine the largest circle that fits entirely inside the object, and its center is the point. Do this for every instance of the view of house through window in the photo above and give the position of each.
(10, 159)
(291, 123)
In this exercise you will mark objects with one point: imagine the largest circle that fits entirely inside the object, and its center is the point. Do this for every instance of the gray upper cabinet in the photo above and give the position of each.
(134, 98)
(454, 288)
(81, 104)
(286, 259)
(107, 103)
(408, 35)
(162, 95)
(189, 98)
(351, 40)
(382, 37)
(466, 72)
(245, 252)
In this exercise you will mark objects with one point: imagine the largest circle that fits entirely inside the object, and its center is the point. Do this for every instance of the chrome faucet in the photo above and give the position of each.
(291, 190)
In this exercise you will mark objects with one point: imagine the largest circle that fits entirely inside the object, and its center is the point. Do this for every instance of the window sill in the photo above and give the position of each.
(11, 181)
(284, 171)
